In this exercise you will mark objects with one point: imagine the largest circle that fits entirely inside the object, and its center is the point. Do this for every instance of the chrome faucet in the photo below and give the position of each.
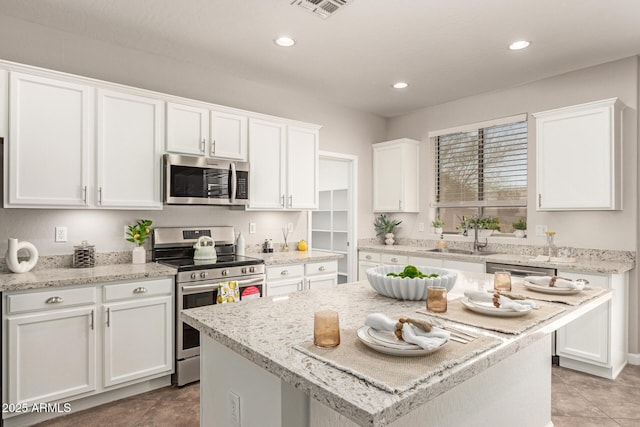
(477, 246)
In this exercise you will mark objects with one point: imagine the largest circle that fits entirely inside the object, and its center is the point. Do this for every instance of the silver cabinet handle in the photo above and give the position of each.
(290, 201)
(108, 317)
(368, 257)
(92, 318)
(54, 300)
(394, 259)
(84, 194)
(140, 290)
(322, 268)
(213, 147)
(539, 200)
(284, 273)
(400, 204)
(100, 195)
(202, 144)
(282, 200)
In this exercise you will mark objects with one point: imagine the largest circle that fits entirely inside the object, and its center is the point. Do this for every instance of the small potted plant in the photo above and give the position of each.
(137, 234)
(437, 225)
(385, 226)
(520, 227)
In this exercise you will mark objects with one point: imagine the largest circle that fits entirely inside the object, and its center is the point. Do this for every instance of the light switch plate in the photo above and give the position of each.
(290, 227)
(252, 228)
(421, 226)
(540, 230)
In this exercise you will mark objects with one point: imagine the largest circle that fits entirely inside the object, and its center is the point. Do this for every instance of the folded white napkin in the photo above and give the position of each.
(559, 283)
(410, 333)
(508, 303)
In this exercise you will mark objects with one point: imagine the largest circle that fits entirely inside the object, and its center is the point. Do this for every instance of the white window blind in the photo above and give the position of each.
(483, 167)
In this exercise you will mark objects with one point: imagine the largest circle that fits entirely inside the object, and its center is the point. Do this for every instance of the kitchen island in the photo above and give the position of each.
(253, 350)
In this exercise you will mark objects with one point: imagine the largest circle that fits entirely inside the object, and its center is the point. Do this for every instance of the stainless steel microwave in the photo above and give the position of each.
(191, 180)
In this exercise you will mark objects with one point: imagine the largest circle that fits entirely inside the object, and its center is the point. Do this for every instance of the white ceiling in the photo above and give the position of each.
(445, 49)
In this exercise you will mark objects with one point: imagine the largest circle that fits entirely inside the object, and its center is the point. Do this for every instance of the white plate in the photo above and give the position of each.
(549, 289)
(488, 309)
(366, 339)
(389, 339)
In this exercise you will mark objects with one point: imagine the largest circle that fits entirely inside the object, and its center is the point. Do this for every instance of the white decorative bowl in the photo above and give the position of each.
(406, 288)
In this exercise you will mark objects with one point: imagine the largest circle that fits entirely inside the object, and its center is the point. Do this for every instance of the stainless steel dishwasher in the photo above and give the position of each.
(522, 271)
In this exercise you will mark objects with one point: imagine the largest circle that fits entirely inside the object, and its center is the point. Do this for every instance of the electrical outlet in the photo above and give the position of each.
(421, 226)
(234, 409)
(290, 227)
(61, 234)
(540, 230)
(252, 228)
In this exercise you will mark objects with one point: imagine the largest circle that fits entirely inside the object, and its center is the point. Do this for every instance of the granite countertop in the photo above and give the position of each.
(295, 257)
(82, 276)
(286, 321)
(583, 265)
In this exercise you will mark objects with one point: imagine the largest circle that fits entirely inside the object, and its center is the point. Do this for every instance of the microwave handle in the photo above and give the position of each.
(234, 182)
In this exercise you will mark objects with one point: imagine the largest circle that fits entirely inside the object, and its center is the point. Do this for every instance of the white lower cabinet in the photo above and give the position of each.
(476, 267)
(68, 343)
(596, 343)
(284, 279)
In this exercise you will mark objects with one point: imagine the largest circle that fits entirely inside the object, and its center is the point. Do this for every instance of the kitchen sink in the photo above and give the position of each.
(460, 251)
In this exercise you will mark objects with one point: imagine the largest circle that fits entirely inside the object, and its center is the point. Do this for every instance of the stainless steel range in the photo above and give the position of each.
(197, 283)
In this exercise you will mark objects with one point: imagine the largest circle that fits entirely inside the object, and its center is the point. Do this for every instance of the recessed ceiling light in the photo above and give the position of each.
(400, 85)
(520, 44)
(284, 41)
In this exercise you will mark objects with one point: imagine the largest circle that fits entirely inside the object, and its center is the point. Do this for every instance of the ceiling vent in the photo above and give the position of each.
(322, 8)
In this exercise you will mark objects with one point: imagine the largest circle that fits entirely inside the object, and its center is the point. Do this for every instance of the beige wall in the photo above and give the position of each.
(605, 230)
(344, 130)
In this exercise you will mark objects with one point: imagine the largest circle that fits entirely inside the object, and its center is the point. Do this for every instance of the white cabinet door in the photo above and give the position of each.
(578, 157)
(395, 176)
(228, 136)
(137, 339)
(128, 151)
(187, 129)
(48, 145)
(267, 164)
(302, 168)
(281, 287)
(322, 282)
(51, 356)
(426, 262)
(363, 266)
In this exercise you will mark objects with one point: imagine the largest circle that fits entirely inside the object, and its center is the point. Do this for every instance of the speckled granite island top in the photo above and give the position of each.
(265, 331)
(295, 257)
(82, 276)
(583, 265)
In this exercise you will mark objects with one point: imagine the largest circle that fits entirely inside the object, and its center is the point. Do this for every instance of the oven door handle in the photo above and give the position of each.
(249, 282)
(193, 289)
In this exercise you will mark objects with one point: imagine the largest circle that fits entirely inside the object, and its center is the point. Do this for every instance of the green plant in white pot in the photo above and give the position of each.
(520, 227)
(385, 226)
(437, 225)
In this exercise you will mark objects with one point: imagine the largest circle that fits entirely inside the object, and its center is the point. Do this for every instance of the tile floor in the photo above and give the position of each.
(578, 400)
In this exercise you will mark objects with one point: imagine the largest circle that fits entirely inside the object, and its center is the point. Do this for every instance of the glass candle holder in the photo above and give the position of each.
(437, 299)
(502, 281)
(326, 328)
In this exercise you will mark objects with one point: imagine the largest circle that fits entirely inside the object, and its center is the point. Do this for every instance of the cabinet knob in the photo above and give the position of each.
(54, 300)
(368, 257)
(140, 290)
(394, 259)
(284, 272)
(322, 268)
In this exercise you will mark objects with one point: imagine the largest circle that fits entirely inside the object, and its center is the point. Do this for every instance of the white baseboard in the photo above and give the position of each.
(634, 359)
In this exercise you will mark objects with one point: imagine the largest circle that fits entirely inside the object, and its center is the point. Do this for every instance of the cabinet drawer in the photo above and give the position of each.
(138, 289)
(316, 268)
(369, 256)
(50, 300)
(391, 259)
(285, 271)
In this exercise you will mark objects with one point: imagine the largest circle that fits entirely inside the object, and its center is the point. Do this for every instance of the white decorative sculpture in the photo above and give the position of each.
(11, 257)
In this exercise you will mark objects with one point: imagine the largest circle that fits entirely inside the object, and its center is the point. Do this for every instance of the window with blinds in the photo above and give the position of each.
(482, 171)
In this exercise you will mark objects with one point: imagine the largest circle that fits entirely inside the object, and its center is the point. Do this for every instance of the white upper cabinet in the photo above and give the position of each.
(71, 145)
(578, 155)
(283, 166)
(395, 176)
(228, 136)
(187, 129)
(197, 130)
(129, 150)
(48, 144)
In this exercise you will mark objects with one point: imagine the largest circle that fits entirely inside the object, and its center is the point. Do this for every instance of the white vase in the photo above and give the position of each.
(520, 233)
(437, 230)
(11, 257)
(138, 255)
(388, 239)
